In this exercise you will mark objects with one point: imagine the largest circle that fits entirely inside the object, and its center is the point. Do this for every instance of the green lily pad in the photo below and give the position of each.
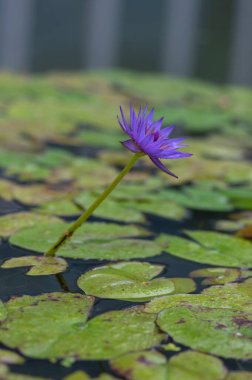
(199, 199)
(11, 223)
(219, 276)
(192, 365)
(158, 207)
(241, 197)
(235, 296)
(210, 247)
(110, 209)
(36, 323)
(188, 365)
(41, 265)
(129, 281)
(81, 375)
(91, 241)
(59, 207)
(223, 332)
(216, 321)
(10, 357)
(54, 326)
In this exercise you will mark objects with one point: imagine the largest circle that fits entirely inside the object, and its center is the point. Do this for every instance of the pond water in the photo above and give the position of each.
(157, 284)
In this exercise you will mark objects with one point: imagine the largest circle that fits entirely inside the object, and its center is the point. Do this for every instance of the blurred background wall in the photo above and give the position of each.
(206, 39)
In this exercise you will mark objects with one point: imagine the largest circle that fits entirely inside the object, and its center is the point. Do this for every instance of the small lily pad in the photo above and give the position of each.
(129, 281)
(41, 265)
(218, 276)
(239, 375)
(210, 247)
(64, 207)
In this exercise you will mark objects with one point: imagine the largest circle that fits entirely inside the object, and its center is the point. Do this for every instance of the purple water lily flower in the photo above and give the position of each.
(147, 137)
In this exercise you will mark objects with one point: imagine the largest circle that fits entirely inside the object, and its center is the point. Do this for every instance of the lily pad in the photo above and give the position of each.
(54, 326)
(199, 198)
(91, 241)
(239, 375)
(110, 209)
(41, 265)
(210, 247)
(222, 332)
(64, 207)
(129, 281)
(36, 323)
(219, 276)
(11, 223)
(235, 296)
(188, 365)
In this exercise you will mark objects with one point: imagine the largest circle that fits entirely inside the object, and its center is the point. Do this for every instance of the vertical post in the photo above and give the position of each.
(16, 31)
(241, 51)
(180, 36)
(102, 31)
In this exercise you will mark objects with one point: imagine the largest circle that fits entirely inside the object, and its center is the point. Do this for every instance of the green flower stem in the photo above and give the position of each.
(68, 233)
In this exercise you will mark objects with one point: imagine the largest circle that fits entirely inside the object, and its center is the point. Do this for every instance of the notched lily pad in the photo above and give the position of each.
(41, 265)
(130, 281)
(37, 325)
(210, 247)
(53, 326)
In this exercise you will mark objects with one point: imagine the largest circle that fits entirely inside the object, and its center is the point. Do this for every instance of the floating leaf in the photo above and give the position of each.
(64, 207)
(218, 276)
(147, 365)
(32, 328)
(41, 265)
(210, 247)
(188, 365)
(35, 324)
(11, 223)
(199, 199)
(81, 375)
(91, 241)
(231, 296)
(110, 209)
(129, 281)
(223, 332)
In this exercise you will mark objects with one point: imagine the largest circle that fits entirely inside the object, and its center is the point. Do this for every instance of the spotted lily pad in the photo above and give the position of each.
(231, 296)
(36, 324)
(217, 321)
(130, 281)
(188, 365)
(54, 326)
(222, 332)
(210, 247)
(41, 265)
(218, 276)
(91, 241)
